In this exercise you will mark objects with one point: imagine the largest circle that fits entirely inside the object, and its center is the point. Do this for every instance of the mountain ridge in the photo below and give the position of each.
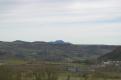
(41, 50)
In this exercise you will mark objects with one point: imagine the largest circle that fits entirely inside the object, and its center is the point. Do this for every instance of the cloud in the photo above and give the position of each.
(62, 19)
(48, 11)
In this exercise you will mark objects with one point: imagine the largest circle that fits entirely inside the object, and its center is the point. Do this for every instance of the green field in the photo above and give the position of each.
(20, 70)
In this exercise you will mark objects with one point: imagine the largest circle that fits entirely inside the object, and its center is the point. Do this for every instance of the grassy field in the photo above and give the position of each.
(20, 70)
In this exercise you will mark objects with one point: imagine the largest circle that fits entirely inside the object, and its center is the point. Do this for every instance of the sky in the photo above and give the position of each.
(76, 21)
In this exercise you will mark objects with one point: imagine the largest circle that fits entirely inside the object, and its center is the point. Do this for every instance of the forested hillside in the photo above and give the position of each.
(51, 51)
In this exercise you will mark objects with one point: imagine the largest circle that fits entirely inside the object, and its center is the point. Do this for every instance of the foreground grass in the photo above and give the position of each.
(52, 71)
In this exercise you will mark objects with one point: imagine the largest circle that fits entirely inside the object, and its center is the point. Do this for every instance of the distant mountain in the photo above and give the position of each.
(115, 55)
(52, 51)
(58, 42)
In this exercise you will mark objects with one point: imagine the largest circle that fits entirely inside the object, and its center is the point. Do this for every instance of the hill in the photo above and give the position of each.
(115, 55)
(51, 51)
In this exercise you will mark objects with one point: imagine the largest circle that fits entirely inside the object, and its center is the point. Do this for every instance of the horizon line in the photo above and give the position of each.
(62, 40)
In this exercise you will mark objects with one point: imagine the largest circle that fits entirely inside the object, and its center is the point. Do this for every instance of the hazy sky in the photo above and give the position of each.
(76, 21)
